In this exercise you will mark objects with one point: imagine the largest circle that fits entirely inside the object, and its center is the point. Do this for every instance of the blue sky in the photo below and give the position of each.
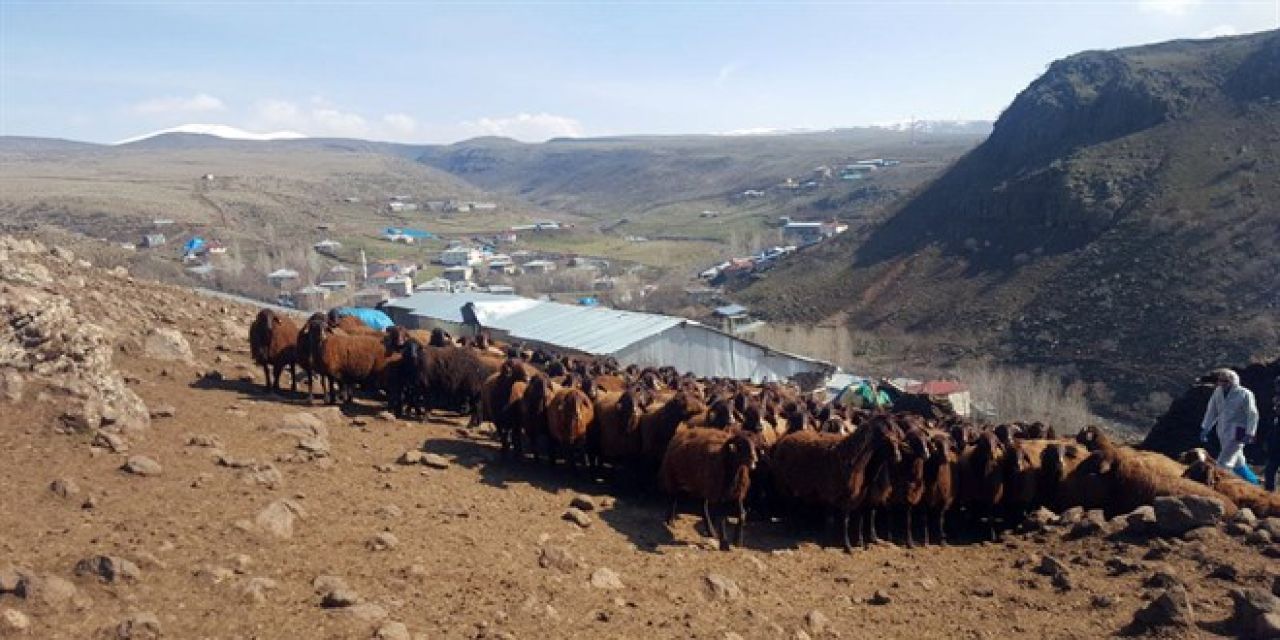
(419, 72)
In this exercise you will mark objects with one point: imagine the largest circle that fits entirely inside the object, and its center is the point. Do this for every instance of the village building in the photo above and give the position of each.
(642, 339)
(311, 298)
(538, 266)
(461, 256)
(282, 277)
(458, 273)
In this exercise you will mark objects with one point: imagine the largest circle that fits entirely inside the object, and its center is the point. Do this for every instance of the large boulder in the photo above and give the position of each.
(1176, 515)
(167, 344)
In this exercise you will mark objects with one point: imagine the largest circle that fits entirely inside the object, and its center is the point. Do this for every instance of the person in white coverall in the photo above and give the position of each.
(1233, 408)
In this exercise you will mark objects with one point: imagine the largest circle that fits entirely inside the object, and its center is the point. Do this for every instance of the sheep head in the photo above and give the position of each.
(741, 452)
(1093, 438)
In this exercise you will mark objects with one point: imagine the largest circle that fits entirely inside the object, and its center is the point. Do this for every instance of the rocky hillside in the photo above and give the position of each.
(1117, 226)
(153, 490)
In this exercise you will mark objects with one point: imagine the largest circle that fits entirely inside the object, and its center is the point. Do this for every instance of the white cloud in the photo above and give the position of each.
(725, 73)
(199, 103)
(1219, 31)
(319, 119)
(400, 123)
(1168, 7)
(528, 127)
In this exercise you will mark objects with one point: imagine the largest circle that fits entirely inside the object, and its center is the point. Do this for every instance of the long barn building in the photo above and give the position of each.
(643, 339)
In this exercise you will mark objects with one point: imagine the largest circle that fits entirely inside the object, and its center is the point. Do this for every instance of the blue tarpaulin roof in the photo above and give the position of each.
(194, 244)
(371, 317)
(412, 233)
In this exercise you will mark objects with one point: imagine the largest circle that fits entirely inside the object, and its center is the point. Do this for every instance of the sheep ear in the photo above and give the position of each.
(732, 447)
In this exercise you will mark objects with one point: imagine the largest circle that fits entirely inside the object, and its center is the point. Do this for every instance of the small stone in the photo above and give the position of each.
(1258, 537)
(719, 587)
(339, 598)
(435, 461)
(109, 569)
(13, 622)
(578, 517)
(583, 502)
(64, 488)
(554, 556)
(111, 442)
(1102, 601)
(367, 611)
(1071, 516)
(928, 584)
(90, 502)
(388, 511)
(142, 466)
(1250, 603)
(386, 416)
(163, 411)
(605, 578)
(255, 590)
(1271, 526)
(1050, 566)
(1246, 516)
(1040, 520)
(1225, 571)
(816, 621)
(392, 631)
(1118, 566)
(277, 518)
(1171, 608)
(1238, 529)
(48, 589)
(1162, 579)
(324, 584)
(139, 626)
(382, 542)
(10, 579)
(879, 598)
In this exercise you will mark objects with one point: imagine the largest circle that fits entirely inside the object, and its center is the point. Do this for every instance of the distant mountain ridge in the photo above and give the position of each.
(218, 131)
(1118, 225)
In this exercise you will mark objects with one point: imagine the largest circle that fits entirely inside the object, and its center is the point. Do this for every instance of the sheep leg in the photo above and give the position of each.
(293, 377)
(724, 528)
(266, 375)
(671, 513)
(910, 541)
(848, 547)
(706, 514)
(871, 526)
(742, 521)
(928, 519)
(942, 527)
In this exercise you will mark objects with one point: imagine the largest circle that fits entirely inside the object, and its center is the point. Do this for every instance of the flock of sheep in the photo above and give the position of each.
(735, 445)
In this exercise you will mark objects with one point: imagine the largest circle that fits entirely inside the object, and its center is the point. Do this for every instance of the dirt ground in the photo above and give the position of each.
(481, 548)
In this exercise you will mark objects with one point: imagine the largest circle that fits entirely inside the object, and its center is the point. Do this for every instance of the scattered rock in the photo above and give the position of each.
(382, 542)
(816, 621)
(879, 598)
(605, 578)
(1118, 566)
(163, 411)
(255, 590)
(338, 598)
(719, 587)
(1258, 536)
(10, 579)
(435, 461)
(388, 511)
(1249, 606)
(412, 456)
(1271, 526)
(1071, 516)
(1162, 579)
(1225, 571)
(392, 631)
(142, 466)
(14, 622)
(1171, 608)
(138, 626)
(324, 584)
(1102, 601)
(47, 589)
(111, 442)
(583, 502)
(578, 517)
(554, 556)
(1040, 520)
(367, 611)
(303, 424)
(278, 517)
(1050, 566)
(386, 416)
(1178, 515)
(64, 488)
(109, 569)
(1239, 529)
(1246, 516)
(167, 344)
(206, 441)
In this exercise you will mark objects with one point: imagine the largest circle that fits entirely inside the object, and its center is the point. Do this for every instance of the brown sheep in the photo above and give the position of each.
(273, 342)
(349, 360)
(1129, 480)
(533, 411)
(907, 478)
(309, 339)
(833, 471)
(939, 482)
(618, 423)
(353, 326)
(569, 419)
(714, 466)
(500, 402)
(1261, 502)
(657, 426)
(455, 377)
(981, 479)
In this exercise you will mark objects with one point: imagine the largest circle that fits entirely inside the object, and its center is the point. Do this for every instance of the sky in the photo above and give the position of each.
(442, 72)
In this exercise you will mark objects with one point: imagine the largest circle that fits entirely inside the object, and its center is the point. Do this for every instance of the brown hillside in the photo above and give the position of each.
(1117, 226)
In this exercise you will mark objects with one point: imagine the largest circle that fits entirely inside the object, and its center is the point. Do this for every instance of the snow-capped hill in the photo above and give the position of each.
(220, 131)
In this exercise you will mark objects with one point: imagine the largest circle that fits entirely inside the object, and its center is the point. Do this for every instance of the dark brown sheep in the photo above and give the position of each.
(618, 423)
(659, 425)
(500, 402)
(715, 467)
(908, 477)
(351, 360)
(939, 482)
(533, 412)
(569, 420)
(982, 479)
(1261, 502)
(273, 342)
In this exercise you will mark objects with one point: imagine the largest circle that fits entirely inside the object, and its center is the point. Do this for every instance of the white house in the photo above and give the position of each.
(461, 256)
(538, 266)
(281, 277)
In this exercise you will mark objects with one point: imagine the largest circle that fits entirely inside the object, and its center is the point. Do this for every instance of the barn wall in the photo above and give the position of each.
(708, 353)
